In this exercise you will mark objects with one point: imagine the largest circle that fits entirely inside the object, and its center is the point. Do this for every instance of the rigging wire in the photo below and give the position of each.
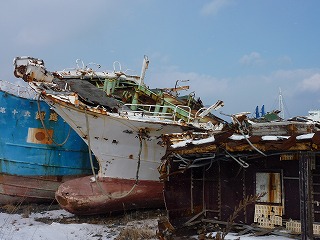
(246, 138)
(241, 162)
(94, 174)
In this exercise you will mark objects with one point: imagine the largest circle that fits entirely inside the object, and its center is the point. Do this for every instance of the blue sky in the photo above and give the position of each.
(238, 51)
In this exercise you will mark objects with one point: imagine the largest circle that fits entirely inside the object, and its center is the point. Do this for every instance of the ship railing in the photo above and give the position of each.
(157, 111)
(18, 90)
(182, 110)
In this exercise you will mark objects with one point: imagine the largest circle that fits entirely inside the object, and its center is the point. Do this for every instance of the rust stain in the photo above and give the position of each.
(292, 129)
(272, 188)
(275, 188)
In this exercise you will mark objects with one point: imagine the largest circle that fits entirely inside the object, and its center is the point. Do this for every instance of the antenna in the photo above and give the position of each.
(281, 114)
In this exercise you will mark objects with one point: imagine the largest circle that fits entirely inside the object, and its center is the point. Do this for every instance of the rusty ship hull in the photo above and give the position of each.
(32, 164)
(89, 196)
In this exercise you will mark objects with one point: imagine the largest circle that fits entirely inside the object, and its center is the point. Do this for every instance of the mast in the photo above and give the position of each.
(281, 114)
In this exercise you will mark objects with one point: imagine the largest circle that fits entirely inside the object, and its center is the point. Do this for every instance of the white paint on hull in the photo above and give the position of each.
(114, 140)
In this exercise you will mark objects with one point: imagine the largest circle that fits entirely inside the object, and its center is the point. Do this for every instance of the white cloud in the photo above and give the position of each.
(214, 7)
(253, 58)
(312, 83)
(244, 93)
(206, 86)
(294, 74)
(298, 80)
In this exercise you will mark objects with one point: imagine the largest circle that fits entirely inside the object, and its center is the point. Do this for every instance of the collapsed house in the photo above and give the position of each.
(261, 173)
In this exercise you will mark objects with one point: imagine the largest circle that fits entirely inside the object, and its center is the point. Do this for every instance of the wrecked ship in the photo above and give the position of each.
(38, 149)
(122, 121)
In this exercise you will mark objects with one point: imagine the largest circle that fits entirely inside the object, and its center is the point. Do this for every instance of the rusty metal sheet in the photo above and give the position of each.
(269, 183)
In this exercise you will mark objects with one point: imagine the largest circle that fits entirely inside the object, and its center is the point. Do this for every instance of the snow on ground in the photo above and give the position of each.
(234, 236)
(53, 225)
(15, 226)
(59, 224)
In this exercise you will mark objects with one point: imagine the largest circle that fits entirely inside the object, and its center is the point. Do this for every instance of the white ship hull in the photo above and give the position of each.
(115, 141)
(128, 149)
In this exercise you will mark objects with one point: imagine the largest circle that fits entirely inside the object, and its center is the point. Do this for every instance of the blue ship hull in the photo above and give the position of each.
(32, 165)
